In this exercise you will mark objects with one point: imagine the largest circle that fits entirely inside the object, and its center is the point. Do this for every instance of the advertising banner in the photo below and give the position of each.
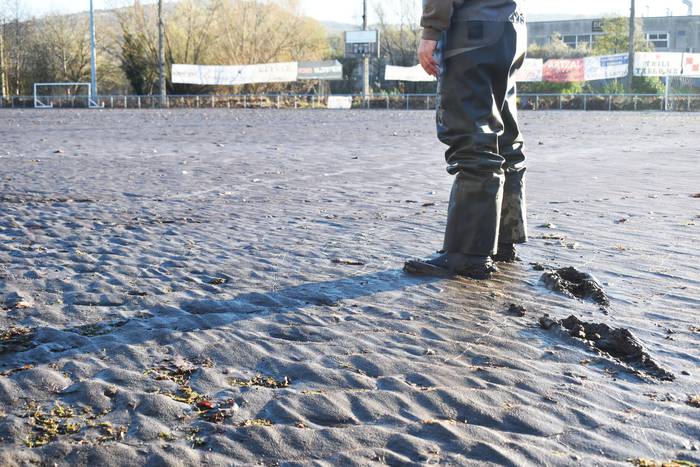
(340, 102)
(658, 64)
(328, 71)
(606, 67)
(213, 75)
(531, 71)
(563, 71)
(403, 73)
(691, 65)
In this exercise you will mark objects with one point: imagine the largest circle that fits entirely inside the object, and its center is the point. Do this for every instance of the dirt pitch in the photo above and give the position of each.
(225, 287)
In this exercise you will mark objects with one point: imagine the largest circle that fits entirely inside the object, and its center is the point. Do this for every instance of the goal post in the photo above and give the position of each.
(45, 101)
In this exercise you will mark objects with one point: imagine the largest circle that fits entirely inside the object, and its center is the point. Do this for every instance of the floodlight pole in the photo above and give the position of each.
(633, 34)
(161, 54)
(93, 60)
(365, 71)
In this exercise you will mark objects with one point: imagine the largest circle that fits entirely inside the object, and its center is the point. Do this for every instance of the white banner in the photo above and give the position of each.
(208, 75)
(531, 71)
(658, 64)
(328, 70)
(404, 73)
(606, 67)
(340, 102)
(691, 65)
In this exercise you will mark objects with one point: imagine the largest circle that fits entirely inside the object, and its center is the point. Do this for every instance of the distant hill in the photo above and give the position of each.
(335, 28)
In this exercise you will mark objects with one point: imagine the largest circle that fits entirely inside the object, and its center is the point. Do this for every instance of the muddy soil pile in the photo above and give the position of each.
(618, 343)
(573, 283)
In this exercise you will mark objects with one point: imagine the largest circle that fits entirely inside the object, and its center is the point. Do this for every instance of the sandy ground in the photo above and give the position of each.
(225, 287)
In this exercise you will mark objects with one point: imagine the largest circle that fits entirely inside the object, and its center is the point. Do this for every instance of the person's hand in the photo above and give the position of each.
(426, 56)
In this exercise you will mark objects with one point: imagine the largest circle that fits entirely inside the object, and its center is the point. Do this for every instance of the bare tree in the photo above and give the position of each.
(3, 74)
(60, 50)
(398, 23)
(207, 32)
(217, 32)
(161, 53)
(16, 46)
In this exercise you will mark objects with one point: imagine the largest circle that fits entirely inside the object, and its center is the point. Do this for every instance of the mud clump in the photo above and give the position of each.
(576, 284)
(618, 343)
(516, 310)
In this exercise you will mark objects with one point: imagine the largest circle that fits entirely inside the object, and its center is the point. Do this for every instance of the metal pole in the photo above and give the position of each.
(93, 60)
(161, 53)
(633, 34)
(365, 66)
(667, 93)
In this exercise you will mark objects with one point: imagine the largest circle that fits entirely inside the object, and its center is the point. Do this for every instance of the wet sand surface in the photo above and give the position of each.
(225, 287)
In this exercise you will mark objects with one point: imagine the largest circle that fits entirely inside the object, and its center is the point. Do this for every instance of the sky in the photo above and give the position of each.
(350, 11)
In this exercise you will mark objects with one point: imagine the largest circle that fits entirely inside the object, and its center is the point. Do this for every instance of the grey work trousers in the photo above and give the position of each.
(477, 120)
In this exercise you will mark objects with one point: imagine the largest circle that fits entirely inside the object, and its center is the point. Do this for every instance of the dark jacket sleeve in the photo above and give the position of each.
(437, 15)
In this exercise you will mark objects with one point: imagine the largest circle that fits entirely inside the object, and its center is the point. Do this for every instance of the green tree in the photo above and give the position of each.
(139, 70)
(615, 40)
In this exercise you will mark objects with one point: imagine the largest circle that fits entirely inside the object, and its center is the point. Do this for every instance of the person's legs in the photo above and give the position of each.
(473, 57)
(469, 124)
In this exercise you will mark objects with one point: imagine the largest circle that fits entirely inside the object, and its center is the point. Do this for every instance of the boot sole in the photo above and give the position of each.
(505, 259)
(421, 268)
(477, 275)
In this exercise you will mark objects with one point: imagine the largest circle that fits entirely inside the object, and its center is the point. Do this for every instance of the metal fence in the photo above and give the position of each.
(600, 102)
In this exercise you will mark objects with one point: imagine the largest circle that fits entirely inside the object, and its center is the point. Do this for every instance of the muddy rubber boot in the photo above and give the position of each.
(450, 264)
(513, 228)
(506, 253)
(473, 217)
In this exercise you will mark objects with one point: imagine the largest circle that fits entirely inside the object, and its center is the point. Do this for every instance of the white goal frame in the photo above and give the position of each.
(38, 104)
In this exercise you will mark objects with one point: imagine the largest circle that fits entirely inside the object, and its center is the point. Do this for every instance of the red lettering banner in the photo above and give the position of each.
(564, 71)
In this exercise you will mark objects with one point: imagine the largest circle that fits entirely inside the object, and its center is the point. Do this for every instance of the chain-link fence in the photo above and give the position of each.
(599, 102)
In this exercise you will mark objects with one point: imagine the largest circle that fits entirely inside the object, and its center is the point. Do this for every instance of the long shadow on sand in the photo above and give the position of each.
(47, 344)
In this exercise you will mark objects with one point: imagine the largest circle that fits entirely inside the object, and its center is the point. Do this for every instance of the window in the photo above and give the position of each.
(658, 39)
(583, 40)
(570, 41)
(578, 41)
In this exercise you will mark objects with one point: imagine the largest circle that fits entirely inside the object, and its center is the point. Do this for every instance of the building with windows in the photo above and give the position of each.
(666, 33)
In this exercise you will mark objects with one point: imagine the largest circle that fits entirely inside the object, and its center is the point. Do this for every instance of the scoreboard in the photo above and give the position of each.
(361, 44)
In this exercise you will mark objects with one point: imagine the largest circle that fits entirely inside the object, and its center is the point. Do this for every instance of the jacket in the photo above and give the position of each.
(438, 14)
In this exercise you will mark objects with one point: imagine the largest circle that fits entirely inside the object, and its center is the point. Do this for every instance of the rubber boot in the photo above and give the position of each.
(506, 253)
(448, 264)
(513, 228)
(473, 221)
